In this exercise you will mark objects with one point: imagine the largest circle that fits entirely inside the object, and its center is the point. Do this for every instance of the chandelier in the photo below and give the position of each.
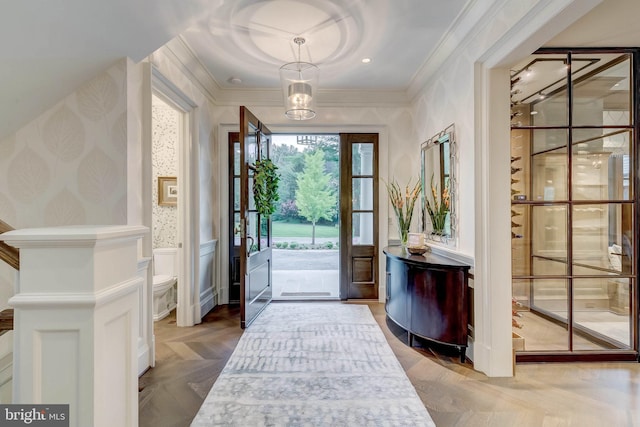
(299, 83)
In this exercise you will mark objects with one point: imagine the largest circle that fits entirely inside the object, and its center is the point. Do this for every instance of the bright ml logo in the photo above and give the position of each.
(34, 415)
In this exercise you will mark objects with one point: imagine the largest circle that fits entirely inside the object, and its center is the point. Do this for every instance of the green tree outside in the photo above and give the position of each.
(314, 197)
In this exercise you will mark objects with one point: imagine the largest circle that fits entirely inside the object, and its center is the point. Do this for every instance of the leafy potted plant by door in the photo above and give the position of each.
(265, 186)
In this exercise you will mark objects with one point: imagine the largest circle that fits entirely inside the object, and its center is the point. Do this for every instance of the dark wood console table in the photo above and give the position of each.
(427, 295)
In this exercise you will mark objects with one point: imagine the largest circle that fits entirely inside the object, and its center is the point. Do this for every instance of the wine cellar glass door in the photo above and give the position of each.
(574, 204)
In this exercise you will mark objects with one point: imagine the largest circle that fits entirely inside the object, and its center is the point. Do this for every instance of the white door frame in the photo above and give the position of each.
(188, 309)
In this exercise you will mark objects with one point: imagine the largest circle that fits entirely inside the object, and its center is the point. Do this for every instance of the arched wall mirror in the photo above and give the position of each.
(439, 187)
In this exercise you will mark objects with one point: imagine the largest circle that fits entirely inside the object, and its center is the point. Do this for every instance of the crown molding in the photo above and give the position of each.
(469, 22)
(479, 14)
(189, 64)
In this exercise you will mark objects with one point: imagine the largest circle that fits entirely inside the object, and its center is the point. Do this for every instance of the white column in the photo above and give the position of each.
(77, 321)
(146, 338)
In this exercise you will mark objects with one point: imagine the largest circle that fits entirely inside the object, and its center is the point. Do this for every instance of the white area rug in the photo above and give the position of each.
(313, 364)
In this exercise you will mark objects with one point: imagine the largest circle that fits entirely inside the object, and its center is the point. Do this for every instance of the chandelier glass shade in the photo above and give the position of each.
(299, 84)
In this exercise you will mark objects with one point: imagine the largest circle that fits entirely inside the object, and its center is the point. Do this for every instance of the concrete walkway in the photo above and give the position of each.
(306, 274)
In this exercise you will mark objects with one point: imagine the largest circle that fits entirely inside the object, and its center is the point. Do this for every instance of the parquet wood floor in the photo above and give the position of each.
(581, 394)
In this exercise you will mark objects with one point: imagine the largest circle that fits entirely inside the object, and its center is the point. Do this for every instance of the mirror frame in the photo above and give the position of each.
(445, 136)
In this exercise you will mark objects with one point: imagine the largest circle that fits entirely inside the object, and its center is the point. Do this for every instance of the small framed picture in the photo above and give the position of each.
(167, 191)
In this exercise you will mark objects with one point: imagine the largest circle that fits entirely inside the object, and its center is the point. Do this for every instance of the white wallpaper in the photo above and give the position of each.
(165, 128)
(68, 166)
(448, 98)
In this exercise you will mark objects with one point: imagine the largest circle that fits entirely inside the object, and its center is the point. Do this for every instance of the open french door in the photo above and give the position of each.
(255, 230)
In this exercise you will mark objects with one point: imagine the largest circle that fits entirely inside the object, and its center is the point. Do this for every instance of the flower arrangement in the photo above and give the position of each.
(438, 208)
(403, 204)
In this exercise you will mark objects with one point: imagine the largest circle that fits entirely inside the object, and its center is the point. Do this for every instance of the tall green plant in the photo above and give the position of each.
(314, 197)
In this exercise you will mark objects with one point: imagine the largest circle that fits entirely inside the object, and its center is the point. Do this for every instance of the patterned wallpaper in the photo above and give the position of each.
(165, 128)
(207, 148)
(68, 166)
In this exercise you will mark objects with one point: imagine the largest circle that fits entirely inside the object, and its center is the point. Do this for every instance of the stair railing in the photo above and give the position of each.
(11, 256)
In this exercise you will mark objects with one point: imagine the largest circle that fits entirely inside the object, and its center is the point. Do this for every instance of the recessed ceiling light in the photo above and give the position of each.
(235, 80)
(366, 60)
(533, 113)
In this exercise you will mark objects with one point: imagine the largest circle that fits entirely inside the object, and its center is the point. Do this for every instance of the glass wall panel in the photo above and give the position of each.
(601, 314)
(545, 325)
(520, 240)
(601, 164)
(362, 194)
(549, 139)
(541, 85)
(603, 94)
(362, 228)
(601, 239)
(550, 110)
(583, 286)
(549, 240)
(549, 175)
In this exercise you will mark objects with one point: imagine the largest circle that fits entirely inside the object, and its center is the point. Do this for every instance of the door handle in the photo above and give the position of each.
(251, 245)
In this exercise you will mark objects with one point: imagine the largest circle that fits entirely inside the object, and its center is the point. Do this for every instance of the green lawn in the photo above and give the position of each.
(285, 229)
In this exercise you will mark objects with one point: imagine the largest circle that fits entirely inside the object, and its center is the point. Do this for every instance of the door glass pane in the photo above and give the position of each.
(549, 240)
(362, 193)
(362, 159)
(264, 146)
(602, 239)
(264, 232)
(604, 97)
(253, 232)
(236, 229)
(549, 175)
(602, 315)
(236, 158)
(601, 164)
(362, 228)
(252, 146)
(236, 194)
(252, 200)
